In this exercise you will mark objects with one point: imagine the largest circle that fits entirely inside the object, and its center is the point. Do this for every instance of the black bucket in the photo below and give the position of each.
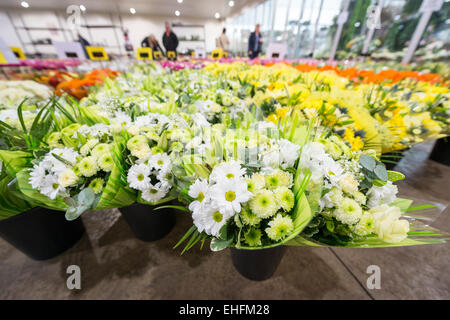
(441, 151)
(391, 159)
(148, 224)
(41, 233)
(258, 264)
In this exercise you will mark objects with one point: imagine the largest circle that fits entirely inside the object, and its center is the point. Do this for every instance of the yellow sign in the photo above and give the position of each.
(144, 54)
(171, 55)
(18, 53)
(157, 55)
(217, 53)
(97, 53)
(2, 59)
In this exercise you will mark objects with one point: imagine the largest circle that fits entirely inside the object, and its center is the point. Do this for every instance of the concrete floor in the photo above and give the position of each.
(115, 265)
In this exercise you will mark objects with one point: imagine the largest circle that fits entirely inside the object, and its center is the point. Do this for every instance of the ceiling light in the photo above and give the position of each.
(24, 4)
(177, 13)
(132, 10)
(180, 1)
(83, 8)
(217, 15)
(231, 3)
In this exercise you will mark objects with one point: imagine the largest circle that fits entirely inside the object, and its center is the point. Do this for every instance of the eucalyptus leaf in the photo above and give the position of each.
(381, 172)
(367, 162)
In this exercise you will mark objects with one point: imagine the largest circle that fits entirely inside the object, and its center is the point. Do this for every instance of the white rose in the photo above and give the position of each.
(388, 226)
(67, 178)
(348, 184)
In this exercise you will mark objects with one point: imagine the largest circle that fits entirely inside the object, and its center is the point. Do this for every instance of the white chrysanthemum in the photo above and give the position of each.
(51, 187)
(314, 158)
(271, 159)
(331, 199)
(138, 177)
(199, 190)
(348, 212)
(38, 174)
(289, 153)
(227, 171)
(160, 161)
(67, 154)
(67, 178)
(166, 178)
(382, 195)
(154, 193)
(200, 120)
(209, 220)
(229, 194)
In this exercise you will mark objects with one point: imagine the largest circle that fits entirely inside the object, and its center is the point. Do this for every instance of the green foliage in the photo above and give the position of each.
(82, 202)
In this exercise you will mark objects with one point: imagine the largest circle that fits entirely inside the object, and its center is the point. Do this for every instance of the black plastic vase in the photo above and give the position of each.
(391, 159)
(41, 233)
(258, 264)
(441, 151)
(148, 224)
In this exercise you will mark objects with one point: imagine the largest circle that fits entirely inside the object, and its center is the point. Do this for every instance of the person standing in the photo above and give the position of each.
(222, 41)
(170, 40)
(254, 43)
(151, 42)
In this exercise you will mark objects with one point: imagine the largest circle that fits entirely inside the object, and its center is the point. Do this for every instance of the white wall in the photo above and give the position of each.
(139, 26)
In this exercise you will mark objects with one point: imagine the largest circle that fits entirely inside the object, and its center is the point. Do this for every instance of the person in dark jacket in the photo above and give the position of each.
(254, 43)
(170, 40)
(151, 42)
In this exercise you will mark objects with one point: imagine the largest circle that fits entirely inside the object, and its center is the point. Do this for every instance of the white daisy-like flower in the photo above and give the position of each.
(38, 174)
(229, 194)
(227, 171)
(67, 154)
(160, 161)
(209, 220)
(51, 187)
(138, 177)
(200, 191)
(154, 193)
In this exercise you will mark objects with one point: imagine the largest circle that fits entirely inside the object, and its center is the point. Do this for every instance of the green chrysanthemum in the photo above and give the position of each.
(279, 227)
(273, 180)
(253, 237)
(365, 225)
(97, 185)
(101, 149)
(285, 198)
(88, 166)
(106, 162)
(248, 217)
(264, 204)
